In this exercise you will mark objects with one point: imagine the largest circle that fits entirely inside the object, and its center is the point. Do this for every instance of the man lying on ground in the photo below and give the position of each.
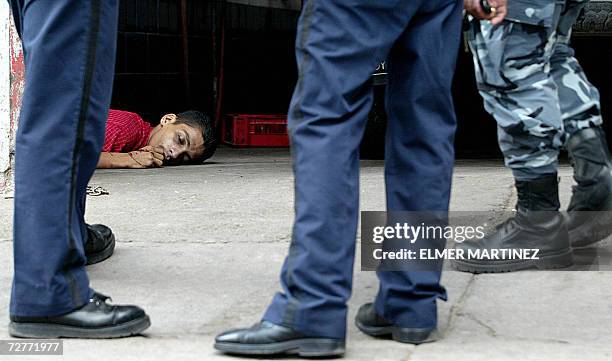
(131, 142)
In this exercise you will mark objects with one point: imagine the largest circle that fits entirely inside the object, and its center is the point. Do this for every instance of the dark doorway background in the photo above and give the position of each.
(149, 68)
(477, 132)
(152, 77)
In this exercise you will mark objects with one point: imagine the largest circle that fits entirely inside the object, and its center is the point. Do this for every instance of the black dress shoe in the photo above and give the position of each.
(266, 338)
(100, 243)
(97, 319)
(370, 323)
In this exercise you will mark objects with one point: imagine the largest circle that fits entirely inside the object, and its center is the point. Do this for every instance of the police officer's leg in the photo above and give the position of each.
(69, 58)
(578, 98)
(513, 76)
(586, 144)
(339, 44)
(419, 159)
(512, 72)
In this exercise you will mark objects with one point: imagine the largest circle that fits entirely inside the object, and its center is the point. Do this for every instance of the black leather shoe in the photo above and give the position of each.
(97, 319)
(537, 225)
(100, 243)
(370, 323)
(266, 338)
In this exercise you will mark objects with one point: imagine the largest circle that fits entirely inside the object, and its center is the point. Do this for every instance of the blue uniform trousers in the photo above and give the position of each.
(339, 44)
(69, 50)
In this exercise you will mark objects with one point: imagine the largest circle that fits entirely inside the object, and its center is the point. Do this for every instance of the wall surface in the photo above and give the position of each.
(11, 89)
(5, 96)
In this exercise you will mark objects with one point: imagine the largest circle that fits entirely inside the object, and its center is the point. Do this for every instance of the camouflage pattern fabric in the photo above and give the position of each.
(532, 84)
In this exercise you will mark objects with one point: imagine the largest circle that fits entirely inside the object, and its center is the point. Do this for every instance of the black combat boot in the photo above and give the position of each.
(536, 237)
(590, 209)
(100, 243)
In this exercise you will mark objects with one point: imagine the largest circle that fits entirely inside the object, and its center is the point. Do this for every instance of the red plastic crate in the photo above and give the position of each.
(251, 130)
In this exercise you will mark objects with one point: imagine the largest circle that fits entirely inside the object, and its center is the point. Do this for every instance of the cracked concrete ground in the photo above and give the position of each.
(200, 248)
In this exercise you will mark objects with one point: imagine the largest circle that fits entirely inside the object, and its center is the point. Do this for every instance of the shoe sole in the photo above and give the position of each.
(102, 255)
(51, 331)
(595, 231)
(552, 261)
(414, 336)
(305, 347)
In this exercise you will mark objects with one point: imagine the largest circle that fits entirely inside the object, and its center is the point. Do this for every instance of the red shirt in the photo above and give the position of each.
(125, 132)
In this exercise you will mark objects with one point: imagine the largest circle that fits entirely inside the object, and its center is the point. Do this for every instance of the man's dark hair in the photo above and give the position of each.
(198, 120)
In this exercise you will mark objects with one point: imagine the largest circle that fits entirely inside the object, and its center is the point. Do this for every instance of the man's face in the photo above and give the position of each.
(178, 142)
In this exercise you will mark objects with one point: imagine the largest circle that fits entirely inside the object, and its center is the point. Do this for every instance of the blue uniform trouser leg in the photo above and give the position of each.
(339, 44)
(69, 50)
(419, 153)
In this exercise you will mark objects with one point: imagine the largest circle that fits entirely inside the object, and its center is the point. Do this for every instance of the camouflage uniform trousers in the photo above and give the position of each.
(532, 84)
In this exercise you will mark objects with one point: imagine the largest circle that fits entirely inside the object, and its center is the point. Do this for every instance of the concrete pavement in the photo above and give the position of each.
(200, 247)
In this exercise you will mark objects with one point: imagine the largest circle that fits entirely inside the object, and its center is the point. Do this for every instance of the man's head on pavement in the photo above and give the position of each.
(186, 137)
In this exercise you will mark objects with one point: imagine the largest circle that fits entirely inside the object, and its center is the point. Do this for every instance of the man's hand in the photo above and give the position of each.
(149, 148)
(146, 157)
(499, 10)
